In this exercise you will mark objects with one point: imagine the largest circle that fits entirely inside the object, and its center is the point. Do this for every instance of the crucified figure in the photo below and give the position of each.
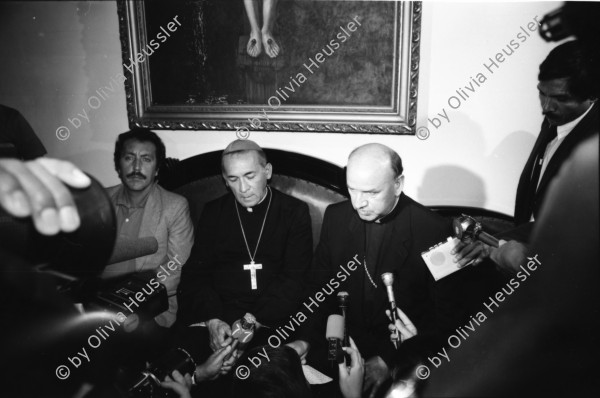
(260, 38)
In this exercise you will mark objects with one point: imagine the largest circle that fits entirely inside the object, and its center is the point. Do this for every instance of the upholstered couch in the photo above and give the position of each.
(312, 180)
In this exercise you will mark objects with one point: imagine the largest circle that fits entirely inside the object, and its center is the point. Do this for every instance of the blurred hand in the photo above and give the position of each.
(376, 372)
(219, 334)
(403, 325)
(475, 252)
(211, 369)
(351, 376)
(36, 188)
(178, 383)
(302, 347)
(510, 255)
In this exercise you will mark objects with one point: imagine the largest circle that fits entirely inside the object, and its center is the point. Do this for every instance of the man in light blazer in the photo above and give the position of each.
(144, 209)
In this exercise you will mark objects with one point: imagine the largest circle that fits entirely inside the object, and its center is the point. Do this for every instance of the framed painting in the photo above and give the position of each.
(295, 65)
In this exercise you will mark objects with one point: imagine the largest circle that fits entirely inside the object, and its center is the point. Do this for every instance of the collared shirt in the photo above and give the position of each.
(129, 221)
(561, 134)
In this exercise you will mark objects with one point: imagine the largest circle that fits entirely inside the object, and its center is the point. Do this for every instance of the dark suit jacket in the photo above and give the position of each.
(434, 307)
(587, 127)
(543, 341)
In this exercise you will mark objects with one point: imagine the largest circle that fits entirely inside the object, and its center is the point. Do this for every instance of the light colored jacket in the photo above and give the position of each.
(167, 218)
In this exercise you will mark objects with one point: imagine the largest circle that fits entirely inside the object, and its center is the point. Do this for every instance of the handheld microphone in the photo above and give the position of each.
(242, 332)
(388, 281)
(335, 335)
(343, 299)
(466, 228)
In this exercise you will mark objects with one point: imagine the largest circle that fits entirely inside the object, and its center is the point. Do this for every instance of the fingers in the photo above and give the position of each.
(403, 325)
(12, 195)
(36, 189)
(409, 327)
(179, 378)
(474, 252)
(178, 383)
(224, 335)
(36, 198)
(356, 360)
(66, 172)
(66, 217)
(219, 355)
(459, 246)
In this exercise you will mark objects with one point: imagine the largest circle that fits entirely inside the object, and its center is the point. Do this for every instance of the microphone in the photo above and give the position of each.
(466, 228)
(335, 335)
(242, 332)
(388, 281)
(343, 299)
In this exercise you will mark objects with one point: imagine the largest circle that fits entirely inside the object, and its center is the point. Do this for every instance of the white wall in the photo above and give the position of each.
(56, 54)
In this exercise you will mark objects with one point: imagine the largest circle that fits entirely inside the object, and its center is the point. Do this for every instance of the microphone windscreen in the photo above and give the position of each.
(335, 327)
(388, 278)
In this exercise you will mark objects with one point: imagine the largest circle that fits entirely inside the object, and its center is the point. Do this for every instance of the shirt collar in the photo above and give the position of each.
(392, 213)
(565, 129)
(122, 199)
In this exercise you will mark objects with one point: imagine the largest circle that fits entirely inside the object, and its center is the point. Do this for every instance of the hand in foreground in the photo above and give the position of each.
(178, 383)
(475, 251)
(302, 347)
(230, 360)
(219, 334)
(36, 188)
(351, 376)
(213, 366)
(403, 325)
(510, 255)
(376, 372)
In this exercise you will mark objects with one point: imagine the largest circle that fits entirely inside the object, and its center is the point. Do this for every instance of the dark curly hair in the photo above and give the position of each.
(141, 135)
(571, 60)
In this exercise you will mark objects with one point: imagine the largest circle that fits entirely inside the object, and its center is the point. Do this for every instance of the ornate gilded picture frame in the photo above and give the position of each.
(306, 66)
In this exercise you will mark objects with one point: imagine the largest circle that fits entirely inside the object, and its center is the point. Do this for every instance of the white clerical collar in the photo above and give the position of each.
(565, 129)
(250, 210)
(378, 221)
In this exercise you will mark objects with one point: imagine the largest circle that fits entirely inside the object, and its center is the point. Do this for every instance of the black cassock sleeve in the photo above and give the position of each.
(198, 300)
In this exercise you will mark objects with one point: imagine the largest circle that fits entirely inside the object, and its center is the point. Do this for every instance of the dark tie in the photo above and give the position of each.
(549, 135)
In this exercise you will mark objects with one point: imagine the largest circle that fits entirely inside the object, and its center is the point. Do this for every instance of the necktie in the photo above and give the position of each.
(549, 135)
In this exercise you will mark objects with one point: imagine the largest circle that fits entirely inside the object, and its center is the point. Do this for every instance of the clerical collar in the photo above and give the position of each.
(251, 209)
(391, 214)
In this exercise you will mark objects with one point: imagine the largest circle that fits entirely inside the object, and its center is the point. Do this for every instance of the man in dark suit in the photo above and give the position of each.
(569, 86)
(379, 230)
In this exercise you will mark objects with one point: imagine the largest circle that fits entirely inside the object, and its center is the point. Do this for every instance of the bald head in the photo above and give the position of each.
(379, 154)
(374, 179)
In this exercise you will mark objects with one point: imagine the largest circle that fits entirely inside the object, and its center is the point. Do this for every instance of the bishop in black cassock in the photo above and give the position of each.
(252, 249)
(215, 283)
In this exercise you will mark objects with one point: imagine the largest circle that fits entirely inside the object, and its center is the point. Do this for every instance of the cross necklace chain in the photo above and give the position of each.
(365, 259)
(252, 267)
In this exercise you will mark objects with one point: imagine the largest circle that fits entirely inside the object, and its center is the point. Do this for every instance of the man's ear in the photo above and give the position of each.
(399, 185)
(268, 171)
(225, 181)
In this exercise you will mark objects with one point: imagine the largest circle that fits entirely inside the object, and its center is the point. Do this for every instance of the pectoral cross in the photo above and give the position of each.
(252, 267)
